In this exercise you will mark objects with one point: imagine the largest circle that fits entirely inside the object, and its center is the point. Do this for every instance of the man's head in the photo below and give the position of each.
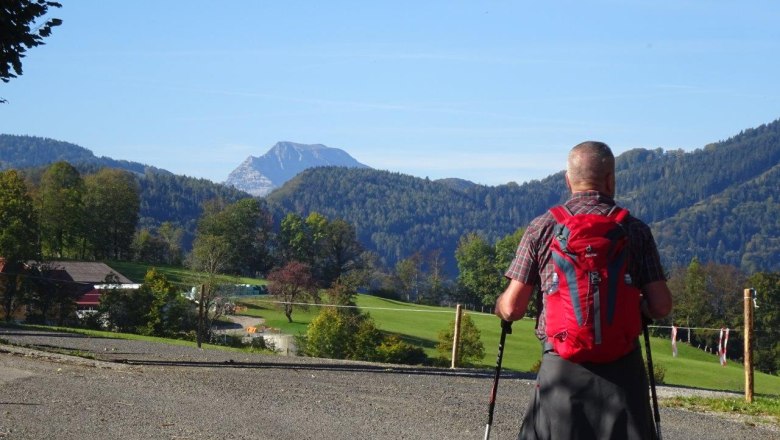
(591, 167)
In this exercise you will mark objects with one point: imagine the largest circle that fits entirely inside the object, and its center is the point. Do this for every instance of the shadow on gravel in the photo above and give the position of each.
(331, 367)
(20, 404)
(50, 335)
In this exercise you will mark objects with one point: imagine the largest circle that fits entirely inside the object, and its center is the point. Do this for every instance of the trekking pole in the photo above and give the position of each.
(506, 329)
(651, 375)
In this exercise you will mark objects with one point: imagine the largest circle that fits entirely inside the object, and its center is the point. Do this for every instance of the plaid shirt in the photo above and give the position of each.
(532, 263)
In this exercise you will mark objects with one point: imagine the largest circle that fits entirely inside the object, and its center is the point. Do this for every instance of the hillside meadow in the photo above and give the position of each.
(420, 325)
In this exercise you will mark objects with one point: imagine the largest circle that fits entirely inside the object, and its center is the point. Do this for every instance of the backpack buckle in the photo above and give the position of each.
(595, 278)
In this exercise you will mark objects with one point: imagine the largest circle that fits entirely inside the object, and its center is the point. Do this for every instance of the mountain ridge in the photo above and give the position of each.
(21, 151)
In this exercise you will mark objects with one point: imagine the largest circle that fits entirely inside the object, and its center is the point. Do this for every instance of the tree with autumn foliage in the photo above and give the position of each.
(291, 284)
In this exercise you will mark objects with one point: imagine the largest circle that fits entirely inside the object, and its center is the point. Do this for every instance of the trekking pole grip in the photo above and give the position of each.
(506, 326)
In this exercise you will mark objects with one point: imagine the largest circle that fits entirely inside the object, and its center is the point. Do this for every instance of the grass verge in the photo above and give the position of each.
(764, 409)
(127, 336)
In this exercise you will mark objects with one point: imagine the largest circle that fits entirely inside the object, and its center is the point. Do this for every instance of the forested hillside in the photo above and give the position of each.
(394, 214)
(718, 203)
(738, 226)
(22, 152)
(177, 199)
(165, 197)
(657, 185)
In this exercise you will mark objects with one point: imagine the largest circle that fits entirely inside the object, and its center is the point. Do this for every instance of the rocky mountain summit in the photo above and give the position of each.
(260, 175)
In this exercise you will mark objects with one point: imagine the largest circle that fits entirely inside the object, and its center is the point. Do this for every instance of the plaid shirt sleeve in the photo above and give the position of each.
(525, 265)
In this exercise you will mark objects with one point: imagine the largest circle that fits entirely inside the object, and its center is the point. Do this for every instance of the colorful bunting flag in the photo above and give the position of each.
(722, 343)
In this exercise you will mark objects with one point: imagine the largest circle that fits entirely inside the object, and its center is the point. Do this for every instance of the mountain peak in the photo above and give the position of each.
(260, 175)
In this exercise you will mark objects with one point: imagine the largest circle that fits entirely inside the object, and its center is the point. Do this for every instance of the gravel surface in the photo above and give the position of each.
(142, 390)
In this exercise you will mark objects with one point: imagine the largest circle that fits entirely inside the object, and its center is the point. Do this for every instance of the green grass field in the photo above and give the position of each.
(421, 325)
(175, 274)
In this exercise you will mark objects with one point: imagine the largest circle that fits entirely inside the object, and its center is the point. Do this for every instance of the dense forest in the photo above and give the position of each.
(165, 197)
(718, 203)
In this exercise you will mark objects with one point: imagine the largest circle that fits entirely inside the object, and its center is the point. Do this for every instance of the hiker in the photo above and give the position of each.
(590, 398)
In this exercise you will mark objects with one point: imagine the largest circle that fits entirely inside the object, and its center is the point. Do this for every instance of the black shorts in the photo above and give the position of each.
(590, 401)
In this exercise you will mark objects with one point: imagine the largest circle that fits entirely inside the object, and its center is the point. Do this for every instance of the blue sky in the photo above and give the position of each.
(492, 91)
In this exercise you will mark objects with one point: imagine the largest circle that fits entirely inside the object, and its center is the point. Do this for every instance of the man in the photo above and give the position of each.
(586, 400)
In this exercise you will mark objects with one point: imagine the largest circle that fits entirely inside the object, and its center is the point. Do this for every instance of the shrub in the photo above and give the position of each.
(471, 348)
(342, 334)
(393, 350)
(659, 373)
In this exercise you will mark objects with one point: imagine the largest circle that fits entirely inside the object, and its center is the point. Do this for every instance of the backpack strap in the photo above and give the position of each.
(560, 213)
(618, 213)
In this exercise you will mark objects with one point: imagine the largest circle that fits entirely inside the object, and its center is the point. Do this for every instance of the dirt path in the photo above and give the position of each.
(246, 321)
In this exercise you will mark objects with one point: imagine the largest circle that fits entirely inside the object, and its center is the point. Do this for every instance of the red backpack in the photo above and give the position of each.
(592, 310)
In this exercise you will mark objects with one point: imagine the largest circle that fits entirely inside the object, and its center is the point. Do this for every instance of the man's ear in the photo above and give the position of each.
(568, 183)
(611, 184)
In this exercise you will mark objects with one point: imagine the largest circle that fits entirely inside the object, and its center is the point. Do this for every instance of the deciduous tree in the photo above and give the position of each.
(767, 321)
(18, 237)
(21, 30)
(61, 210)
(112, 202)
(410, 277)
(291, 284)
(149, 248)
(125, 310)
(172, 235)
(478, 274)
(245, 227)
(341, 251)
(170, 313)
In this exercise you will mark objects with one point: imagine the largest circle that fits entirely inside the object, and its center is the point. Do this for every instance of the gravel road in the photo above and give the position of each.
(142, 390)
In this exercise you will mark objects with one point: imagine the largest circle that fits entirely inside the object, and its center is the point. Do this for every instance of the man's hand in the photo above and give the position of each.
(506, 326)
(657, 300)
(511, 305)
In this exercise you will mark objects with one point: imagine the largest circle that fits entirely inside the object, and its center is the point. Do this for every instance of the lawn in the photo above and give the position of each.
(422, 324)
(175, 274)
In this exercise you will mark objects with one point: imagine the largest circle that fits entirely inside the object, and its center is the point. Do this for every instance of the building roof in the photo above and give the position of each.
(87, 271)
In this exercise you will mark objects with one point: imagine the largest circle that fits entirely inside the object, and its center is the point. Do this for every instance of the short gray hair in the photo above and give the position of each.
(589, 163)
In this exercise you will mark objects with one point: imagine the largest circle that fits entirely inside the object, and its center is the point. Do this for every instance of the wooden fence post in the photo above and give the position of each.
(749, 345)
(456, 337)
